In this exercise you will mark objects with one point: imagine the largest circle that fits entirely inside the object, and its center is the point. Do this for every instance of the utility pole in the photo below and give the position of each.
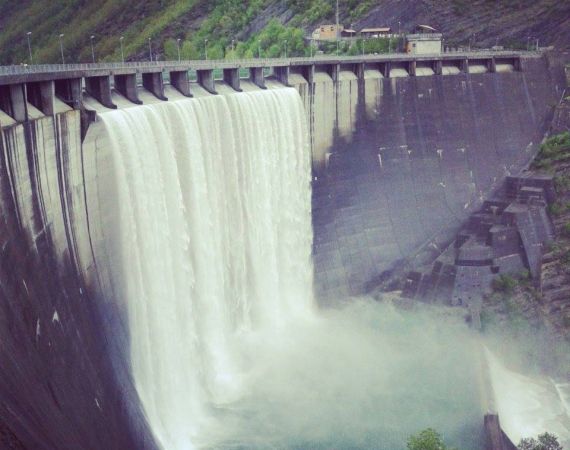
(122, 53)
(337, 30)
(28, 34)
(61, 47)
(92, 49)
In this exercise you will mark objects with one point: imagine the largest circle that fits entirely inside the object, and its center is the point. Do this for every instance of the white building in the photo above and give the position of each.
(425, 40)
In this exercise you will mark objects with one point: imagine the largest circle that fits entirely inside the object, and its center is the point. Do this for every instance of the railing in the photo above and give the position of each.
(237, 63)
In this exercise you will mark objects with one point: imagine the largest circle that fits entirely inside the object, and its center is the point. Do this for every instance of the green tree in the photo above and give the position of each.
(545, 441)
(428, 439)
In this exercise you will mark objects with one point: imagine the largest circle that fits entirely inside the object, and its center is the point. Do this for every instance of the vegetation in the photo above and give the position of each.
(220, 28)
(428, 439)
(545, 441)
(555, 148)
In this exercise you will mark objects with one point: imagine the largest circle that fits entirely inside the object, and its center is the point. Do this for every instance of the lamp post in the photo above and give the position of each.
(61, 47)
(92, 49)
(150, 49)
(178, 48)
(206, 48)
(311, 48)
(259, 49)
(28, 34)
(285, 48)
(122, 52)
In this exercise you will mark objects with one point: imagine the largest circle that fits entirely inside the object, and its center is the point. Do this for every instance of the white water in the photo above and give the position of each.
(529, 406)
(215, 232)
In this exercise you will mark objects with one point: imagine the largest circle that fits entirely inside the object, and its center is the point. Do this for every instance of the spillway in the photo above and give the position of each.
(214, 240)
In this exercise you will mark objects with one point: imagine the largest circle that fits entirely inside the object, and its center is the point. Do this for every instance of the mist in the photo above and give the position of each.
(363, 375)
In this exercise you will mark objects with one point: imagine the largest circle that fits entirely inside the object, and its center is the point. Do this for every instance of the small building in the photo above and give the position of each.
(327, 32)
(375, 32)
(348, 33)
(424, 40)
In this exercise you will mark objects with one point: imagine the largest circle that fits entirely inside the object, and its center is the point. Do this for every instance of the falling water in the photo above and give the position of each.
(215, 234)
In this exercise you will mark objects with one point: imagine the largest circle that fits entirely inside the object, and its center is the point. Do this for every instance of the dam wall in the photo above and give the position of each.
(411, 157)
(401, 156)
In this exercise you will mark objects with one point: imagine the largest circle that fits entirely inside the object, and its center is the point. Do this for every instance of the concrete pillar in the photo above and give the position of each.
(438, 67)
(231, 77)
(282, 74)
(206, 80)
(518, 64)
(257, 77)
(492, 65)
(309, 74)
(70, 92)
(412, 68)
(180, 81)
(386, 70)
(100, 88)
(13, 101)
(359, 70)
(127, 85)
(464, 65)
(153, 83)
(41, 94)
(334, 72)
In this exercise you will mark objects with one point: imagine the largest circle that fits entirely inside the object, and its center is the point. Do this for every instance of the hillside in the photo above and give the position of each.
(249, 23)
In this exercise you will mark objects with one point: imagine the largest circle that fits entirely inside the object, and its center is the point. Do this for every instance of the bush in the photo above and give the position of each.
(505, 284)
(428, 439)
(545, 441)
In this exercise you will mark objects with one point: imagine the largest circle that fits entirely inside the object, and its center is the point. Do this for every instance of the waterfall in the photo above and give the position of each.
(214, 233)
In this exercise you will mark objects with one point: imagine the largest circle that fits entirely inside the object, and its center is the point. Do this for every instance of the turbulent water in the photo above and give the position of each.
(529, 406)
(214, 237)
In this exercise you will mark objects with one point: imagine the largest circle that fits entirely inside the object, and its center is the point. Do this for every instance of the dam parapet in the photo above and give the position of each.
(41, 84)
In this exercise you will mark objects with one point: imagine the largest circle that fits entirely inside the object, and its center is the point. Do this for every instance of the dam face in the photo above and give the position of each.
(398, 163)
(406, 159)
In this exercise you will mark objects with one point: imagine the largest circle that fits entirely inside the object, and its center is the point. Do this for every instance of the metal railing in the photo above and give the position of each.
(245, 63)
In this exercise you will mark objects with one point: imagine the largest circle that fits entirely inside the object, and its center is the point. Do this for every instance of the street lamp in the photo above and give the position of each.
(122, 53)
(285, 48)
(206, 48)
(150, 48)
(28, 34)
(178, 48)
(258, 49)
(61, 47)
(92, 49)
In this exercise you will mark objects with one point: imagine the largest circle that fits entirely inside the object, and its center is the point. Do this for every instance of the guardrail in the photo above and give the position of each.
(258, 62)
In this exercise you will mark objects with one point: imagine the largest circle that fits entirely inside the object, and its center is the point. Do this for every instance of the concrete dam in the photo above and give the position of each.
(163, 231)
